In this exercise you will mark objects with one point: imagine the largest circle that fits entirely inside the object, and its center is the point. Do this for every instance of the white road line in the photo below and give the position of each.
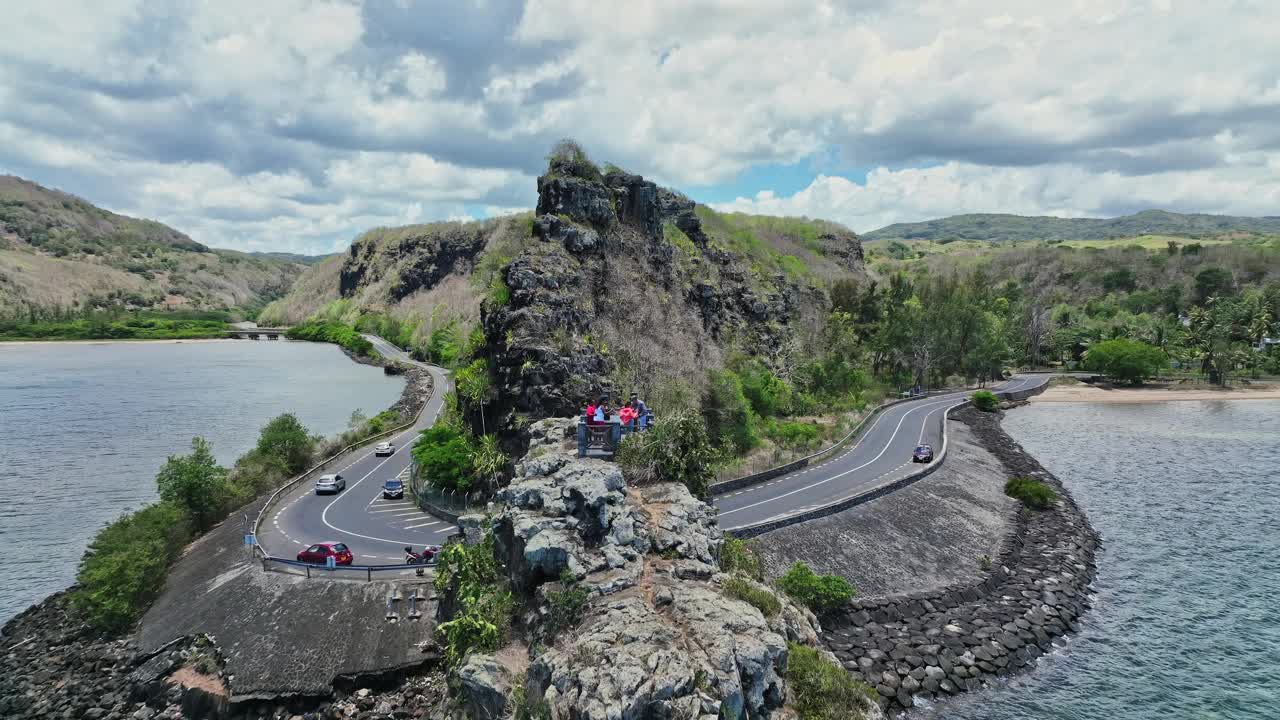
(388, 510)
(410, 512)
(896, 430)
(411, 527)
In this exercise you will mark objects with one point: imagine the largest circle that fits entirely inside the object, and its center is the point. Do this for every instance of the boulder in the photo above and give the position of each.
(485, 686)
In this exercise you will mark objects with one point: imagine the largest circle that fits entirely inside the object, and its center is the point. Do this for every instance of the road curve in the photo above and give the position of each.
(881, 454)
(376, 530)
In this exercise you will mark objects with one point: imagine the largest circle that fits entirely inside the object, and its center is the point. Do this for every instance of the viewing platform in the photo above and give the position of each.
(257, 333)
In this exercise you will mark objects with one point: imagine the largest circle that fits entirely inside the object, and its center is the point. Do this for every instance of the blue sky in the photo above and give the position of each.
(296, 124)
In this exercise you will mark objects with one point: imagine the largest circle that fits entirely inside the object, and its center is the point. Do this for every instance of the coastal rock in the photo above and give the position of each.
(485, 687)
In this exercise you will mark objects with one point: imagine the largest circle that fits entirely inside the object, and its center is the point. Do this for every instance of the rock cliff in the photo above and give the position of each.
(660, 637)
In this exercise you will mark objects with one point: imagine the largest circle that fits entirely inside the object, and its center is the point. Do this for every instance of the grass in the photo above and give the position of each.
(1031, 492)
(755, 595)
(823, 690)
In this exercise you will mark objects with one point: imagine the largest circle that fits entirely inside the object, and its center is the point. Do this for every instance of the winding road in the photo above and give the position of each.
(882, 454)
(376, 529)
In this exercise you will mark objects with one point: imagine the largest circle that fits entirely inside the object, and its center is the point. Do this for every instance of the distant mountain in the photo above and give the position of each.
(1006, 228)
(294, 257)
(58, 251)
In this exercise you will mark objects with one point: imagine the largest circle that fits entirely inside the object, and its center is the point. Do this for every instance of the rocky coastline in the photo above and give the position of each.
(939, 643)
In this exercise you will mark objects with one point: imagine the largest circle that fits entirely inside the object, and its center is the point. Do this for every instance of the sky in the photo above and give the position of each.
(294, 125)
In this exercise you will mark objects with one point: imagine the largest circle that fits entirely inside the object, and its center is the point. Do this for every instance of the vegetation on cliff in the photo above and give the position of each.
(114, 324)
(60, 255)
(1002, 228)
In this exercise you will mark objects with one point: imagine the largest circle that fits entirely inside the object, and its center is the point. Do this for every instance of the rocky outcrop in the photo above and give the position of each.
(945, 641)
(659, 637)
(415, 262)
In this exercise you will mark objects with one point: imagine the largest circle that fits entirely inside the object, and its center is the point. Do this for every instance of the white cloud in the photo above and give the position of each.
(296, 121)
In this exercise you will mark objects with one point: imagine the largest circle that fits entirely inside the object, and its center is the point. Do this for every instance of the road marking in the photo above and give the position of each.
(388, 510)
(411, 527)
(887, 444)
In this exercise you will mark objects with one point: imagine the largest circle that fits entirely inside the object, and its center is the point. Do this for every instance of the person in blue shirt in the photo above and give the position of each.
(642, 411)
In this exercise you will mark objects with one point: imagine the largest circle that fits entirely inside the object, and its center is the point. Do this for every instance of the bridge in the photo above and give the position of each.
(255, 333)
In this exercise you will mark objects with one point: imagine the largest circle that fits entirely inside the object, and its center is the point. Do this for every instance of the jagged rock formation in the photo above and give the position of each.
(623, 284)
(660, 638)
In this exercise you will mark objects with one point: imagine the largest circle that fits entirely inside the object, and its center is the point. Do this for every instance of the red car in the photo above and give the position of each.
(320, 553)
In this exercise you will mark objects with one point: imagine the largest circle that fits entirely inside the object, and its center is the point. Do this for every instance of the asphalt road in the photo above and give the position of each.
(880, 455)
(376, 529)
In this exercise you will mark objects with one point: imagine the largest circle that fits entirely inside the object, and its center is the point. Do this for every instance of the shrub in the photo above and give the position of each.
(566, 605)
(331, 332)
(196, 484)
(567, 157)
(727, 414)
(1033, 493)
(1127, 361)
(444, 454)
(794, 434)
(674, 449)
(823, 690)
(467, 575)
(286, 439)
(736, 557)
(767, 393)
(754, 594)
(125, 567)
(986, 401)
(818, 592)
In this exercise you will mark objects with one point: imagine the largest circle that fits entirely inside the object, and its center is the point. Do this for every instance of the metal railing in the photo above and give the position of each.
(268, 562)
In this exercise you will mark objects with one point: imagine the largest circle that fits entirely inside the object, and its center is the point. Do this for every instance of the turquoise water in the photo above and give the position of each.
(1186, 622)
(83, 429)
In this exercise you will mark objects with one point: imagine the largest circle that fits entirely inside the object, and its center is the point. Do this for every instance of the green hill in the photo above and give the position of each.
(61, 254)
(1008, 228)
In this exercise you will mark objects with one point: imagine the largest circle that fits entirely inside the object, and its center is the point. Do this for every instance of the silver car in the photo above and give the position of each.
(385, 448)
(330, 484)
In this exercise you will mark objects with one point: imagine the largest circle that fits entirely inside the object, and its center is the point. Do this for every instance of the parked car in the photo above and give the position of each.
(330, 484)
(923, 454)
(393, 489)
(385, 448)
(320, 553)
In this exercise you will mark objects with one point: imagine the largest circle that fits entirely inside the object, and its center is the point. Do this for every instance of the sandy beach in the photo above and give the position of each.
(1088, 393)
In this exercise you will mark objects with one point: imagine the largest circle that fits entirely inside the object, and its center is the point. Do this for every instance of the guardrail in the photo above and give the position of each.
(726, 486)
(448, 505)
(748, 531)
(266, 507)
(369, 570)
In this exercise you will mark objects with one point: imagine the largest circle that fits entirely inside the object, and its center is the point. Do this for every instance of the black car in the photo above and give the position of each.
(923, 454)
(393, 489)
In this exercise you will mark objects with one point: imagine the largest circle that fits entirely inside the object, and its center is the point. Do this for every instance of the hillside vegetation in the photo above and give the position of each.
(61, 255)
(1006, 228)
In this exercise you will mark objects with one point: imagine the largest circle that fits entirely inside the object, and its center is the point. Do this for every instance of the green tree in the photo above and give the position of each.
(286, 439)
(727, 414)
(443, 453)
(473, 385)
(1212, 282)
(1127, 361)
(488, 460)
(195, 483)
(675, 449)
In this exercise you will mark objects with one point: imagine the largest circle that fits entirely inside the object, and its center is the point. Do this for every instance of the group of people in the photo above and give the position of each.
(634, 413)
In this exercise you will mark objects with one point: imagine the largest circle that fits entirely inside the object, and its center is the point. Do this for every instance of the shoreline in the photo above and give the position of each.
(1083, 393)
(123, 341)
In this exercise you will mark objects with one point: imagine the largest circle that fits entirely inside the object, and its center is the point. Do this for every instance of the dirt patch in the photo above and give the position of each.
(191, 678)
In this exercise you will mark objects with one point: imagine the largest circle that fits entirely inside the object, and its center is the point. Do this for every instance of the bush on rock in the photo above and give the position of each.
(758, 597)
(819, 592)
(986, 401)
(823, 690)
(1033, 493)
(675, 449)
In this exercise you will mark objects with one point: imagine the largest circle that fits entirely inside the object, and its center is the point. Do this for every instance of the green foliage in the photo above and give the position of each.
(286, 439)
(124, 569)
(567, 605)
(823, 690)
(1031, 492)
(443, 454)
(332, 332)
(767, 393)
(488, 460)
(753, 594)
(443, 344)
(986, 401)
(499, 293)
(196, 484)
(819, 593)
(795, 435)
(1212, 282)
(674, 449)
(469, 575)
(114, 325)
(568, 158)
(1119, 279)
(729, 419)
(1123, 360)
(736, 556)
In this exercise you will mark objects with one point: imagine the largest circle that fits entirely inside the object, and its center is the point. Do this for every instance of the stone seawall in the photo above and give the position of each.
(939, 643)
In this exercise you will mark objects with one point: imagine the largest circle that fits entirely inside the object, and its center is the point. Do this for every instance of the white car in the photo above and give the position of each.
(385, 448)
(330, 484)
